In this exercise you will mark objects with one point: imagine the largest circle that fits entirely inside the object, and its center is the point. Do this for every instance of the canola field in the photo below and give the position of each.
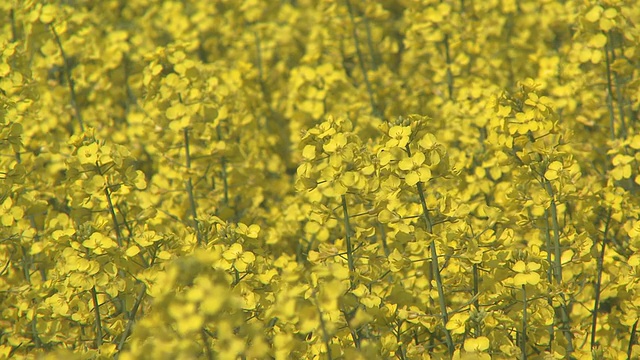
(319, 179)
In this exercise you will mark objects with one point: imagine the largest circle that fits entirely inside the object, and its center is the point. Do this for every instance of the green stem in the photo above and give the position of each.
(112, 211)
(223, 163)
(34, 330)
(449, 73)
(598, 285)
(26, 269)
(192, 199)
(374, 108)
(523, 342)
(400, 352)
(263, 85)
(476, 293)
(131, 321)
(632, 339)
(612, 119)
(131, 96)
(323, 326)
(70, 83)
(205, 342)
(347, 227)
(434, 264)
(383, 237)
(14, 31)
(557, 261)
(98, 321)
(549, 275)
(619, 96)
(558, 265)
(372, 53)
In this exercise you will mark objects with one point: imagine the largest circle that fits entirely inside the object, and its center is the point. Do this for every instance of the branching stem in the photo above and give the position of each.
(448, 60)
(223, 164)
(347, 227)
(632, 339)
(207, 347)
(374, 107)
(557, 262)
(434, 264)
(619, 96)
(325, 334)
(112, 210)
(598, 285)
(70, 83)
(523, 341)
(98, 321)
(192, 199)
(131, 321)
(612, 119)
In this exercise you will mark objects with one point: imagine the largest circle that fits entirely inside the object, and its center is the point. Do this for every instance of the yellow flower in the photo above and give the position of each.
(477, 347)
(526, 273)
(478, 344)
(553, 171)
(456, 323)
(399, 136)
(239, 258)
(417, 170)
(250, 231)
(99, 243)
(88, 154)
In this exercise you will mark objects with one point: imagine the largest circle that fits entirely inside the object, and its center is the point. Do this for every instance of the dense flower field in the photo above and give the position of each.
(320, 179)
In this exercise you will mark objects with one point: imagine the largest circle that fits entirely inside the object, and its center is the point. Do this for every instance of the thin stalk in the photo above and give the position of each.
(14, 31)
(192, 199)
(263, 86)
(34, 330)
(557, 261)
(374, 108)
(355, 336)
(400, 352)
(476, 293)
(437, 276)
(131, 97)
(131, 321)
(549, 248)
(207, 347)
(558, 265)
(37, 238)
(223, 163)
(98, 321)
(448, 60)
(34, 322)
(612, 119)
(26, 269)
(271, 120)
(372, 53)
(112, 211)
(70, 83)
(619, 96)
(632, 339)
(347, 226)
(523, 341)
(127, 225)
(549, 275)
(434, 264)
(383, 238)
(323, 326)
(432, 304)
(598, 285)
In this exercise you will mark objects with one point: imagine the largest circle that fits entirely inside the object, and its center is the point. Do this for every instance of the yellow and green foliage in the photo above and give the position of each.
(319, 179)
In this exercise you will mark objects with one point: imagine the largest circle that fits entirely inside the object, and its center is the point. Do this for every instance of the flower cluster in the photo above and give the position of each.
(319, 179)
